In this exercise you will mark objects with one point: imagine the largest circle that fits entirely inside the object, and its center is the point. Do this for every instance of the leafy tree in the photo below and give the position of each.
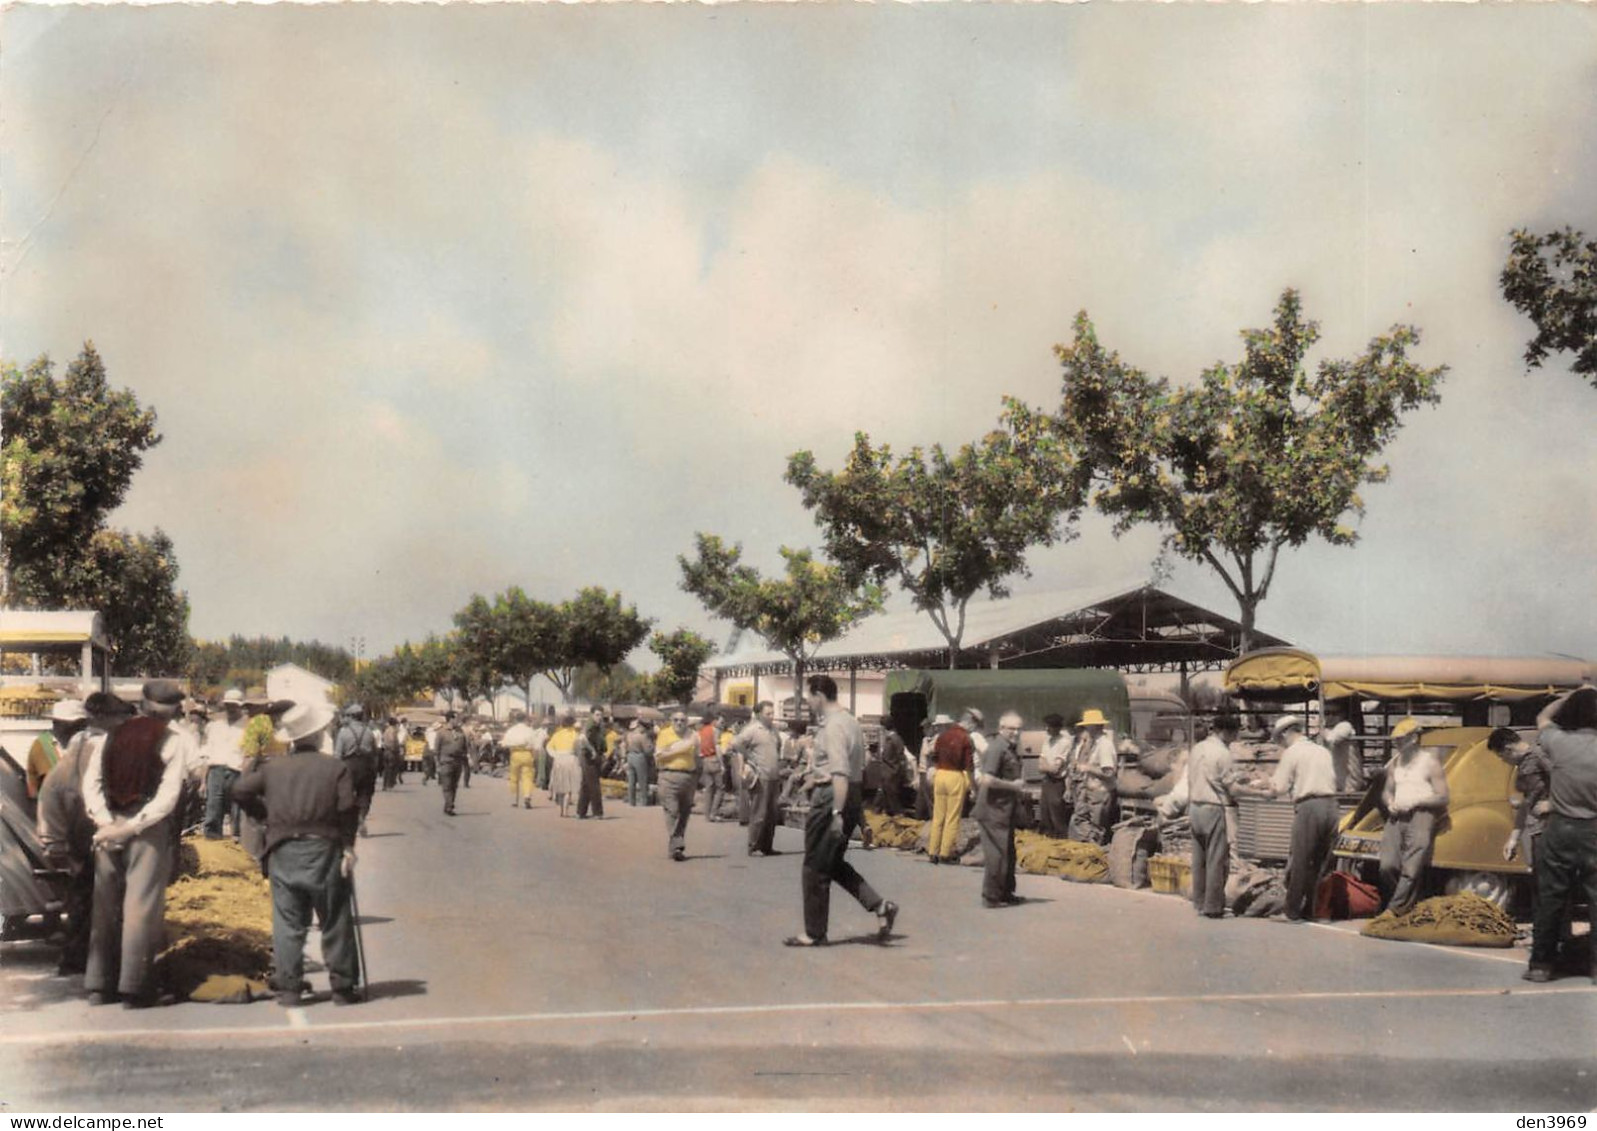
(1254, 457)
(1552, 279)
(479, 650)
(438, 668)
(207, 667)
(71, 448)
(133, 579)
(532, 637)
(795, 614)
(944, 527)
(621, 684)
(682, 653)
(600, 630)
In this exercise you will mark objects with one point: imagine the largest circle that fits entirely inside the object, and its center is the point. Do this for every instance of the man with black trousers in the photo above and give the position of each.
(590, 754)
(308, 803)
(837, 774)
(998, 785)
(451, 759)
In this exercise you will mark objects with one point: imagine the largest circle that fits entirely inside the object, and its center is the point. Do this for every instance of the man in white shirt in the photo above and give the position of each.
(1053, 762)
(224, 756)
(518, 740)
(1307, 773)
(130, 789)
(1416, 798)
(1208, 793)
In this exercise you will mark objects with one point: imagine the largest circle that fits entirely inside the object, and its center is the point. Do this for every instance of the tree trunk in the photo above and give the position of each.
(1249, 605)
(798, 687)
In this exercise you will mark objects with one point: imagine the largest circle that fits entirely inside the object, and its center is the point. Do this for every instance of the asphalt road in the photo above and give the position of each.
(521, 961)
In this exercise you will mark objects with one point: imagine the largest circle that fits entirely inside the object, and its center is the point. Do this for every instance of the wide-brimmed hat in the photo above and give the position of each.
(1284, 724)
(232, 697)
(1405, 727)
(974, 714)
(1093, 717)
(68, 711)
(302, 721)
(942, 721)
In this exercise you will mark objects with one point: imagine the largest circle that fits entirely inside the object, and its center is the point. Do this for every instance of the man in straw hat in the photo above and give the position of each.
(224, 755)
(67, 718)
(1094, 765)
(1416, 797)
(131, 787)
(308, 803)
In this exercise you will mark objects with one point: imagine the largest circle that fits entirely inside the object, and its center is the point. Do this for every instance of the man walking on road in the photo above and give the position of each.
(308, 803)
(451, 759)
(676, 752)
(837, 769)
(519, 740)
(356, 747)
(760, 749)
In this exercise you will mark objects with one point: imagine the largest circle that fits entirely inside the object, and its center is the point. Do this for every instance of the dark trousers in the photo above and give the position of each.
(364, 777)
(78, 900)
(745, 801)
(392, 762)
(429, 767)
(1566, 863)
(449, 779)
(637, 778)
(542, 763)
(923, 796)
(763, 797)
(824, 862)
(305, 880)
(1211, 858)
(590, 797)
(1054, 809)
(1406, 844)
(218, 780)
(677, 788)
(465, 770)
(998, 860)
(1313, 835)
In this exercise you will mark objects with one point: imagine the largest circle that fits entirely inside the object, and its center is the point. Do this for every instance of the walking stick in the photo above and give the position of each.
(362, 981)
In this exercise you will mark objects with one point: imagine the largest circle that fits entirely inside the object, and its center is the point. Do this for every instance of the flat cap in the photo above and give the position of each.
(164, 691)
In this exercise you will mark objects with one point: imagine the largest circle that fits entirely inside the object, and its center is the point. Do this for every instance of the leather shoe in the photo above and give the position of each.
(345, 997)
(1538, 974)
(148, 1001)
(104, 997)
(888, 915)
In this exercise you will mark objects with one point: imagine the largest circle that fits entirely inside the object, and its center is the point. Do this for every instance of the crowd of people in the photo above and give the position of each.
(116, 785)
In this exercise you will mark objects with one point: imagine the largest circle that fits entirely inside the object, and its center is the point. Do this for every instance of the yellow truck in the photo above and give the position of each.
(1458, 699)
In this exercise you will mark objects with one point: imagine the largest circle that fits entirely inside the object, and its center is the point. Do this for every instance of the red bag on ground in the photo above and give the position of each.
(1340, 896)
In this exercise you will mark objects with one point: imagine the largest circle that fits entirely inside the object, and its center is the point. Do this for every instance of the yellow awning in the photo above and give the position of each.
(1288, 673)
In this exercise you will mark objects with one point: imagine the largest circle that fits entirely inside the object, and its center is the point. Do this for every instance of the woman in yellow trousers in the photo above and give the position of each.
(953, 754)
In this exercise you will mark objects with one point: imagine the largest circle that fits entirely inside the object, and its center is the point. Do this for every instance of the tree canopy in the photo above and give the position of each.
(1256, 456)
(812, 603)
(943, 527)
(682, 653)
(1551, 278)
(72, 445)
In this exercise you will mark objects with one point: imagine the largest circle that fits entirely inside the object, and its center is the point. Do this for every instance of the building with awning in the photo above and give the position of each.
(1133, 627)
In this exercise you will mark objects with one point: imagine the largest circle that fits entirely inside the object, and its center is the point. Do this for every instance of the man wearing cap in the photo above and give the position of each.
(892, 765)
(1308, 774)
(451, 754)
(131, 787)
(1208, 784)
(518, 740)
(953, 757)
(760, 748)
(224, 756)
(676, 753)
(1053, 762)
(308, 804)
(393, 753)
(65, 831)
(1093, 769)
(998, 786)
(1415, 795)
(66, 719)
(837, 806)
(356, 746)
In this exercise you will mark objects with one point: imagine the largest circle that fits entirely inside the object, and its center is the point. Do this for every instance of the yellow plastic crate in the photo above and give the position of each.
(1170, 874)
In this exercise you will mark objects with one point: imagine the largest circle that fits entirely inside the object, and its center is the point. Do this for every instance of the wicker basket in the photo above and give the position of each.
(1170, 875)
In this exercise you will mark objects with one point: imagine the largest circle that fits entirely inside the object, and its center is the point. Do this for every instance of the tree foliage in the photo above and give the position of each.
(682, 653)
(72, 445)
(812, 603)
(242, 662)
(943, 527)
(1551, 278)
(1256, 456)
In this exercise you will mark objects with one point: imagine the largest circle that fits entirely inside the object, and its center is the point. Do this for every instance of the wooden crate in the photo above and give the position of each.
(1170, 875)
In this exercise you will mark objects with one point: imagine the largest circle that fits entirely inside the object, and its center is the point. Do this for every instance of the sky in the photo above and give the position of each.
(436, 300)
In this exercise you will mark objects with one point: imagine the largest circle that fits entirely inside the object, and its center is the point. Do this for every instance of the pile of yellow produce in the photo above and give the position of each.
(1451, 920)
(1069, 859)
(612, 787)
(219, 922)
(893, 832)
